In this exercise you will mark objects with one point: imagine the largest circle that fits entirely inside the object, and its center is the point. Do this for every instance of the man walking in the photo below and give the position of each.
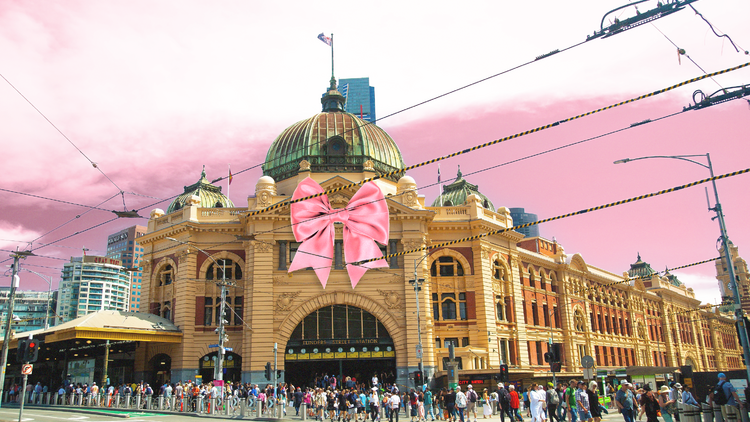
(570, 400)
(471, 405)
(625, 401)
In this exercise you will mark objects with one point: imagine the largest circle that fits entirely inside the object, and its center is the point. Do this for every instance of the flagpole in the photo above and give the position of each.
(332, 73)
(229, 179)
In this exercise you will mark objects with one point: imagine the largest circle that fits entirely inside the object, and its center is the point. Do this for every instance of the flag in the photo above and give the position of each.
(438, 173)
(230, 176)
(325, 39)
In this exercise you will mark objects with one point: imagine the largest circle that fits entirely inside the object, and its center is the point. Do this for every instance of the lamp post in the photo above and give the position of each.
(49, 295)
(417, 282)
(725, 242)
(219, 368)
(18, 255)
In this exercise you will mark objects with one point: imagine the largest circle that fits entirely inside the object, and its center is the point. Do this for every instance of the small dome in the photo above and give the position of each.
(210, 195)
(332, 141)
(456, 193)
(406, 182)
(266, 180)
(640, 269)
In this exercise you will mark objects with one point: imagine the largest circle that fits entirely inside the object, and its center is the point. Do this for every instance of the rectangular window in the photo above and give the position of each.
(393, 248)
(545, 310)
(282, 254)
(435, 306)
(238, 310)
(453, 340)
(437, 343)
(534, 313)
(465, 342)
(293, 248)
(462, 306)
(338, 255)
(539, 358)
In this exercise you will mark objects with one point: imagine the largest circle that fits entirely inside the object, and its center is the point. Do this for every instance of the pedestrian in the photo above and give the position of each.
(515, 402)
(688, 398)
(593, 394)
(503, 402)
(728, 392)
(394, 403)
(450, 405)
(650, 404)
(297, 400)
(428, 404)
(666, 406)
(526, 402)
(487, 405)
(570, 401)
(625, 401)
(472, 398)
(582, 403)
(461, 403)
(553, 400)
(537, 398)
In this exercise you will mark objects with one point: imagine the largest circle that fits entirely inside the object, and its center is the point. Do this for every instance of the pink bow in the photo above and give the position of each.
(365, 220)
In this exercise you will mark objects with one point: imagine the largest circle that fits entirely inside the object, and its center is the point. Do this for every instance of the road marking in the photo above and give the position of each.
(70, 418)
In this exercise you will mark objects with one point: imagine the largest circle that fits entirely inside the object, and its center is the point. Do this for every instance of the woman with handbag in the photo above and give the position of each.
(666, 405)
(650, 404)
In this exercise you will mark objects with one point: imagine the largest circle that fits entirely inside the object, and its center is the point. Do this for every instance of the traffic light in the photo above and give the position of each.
(418, 378)
(555, 367)
(548, 357)
(269, 374)
(21, 352)
(555, 350)
(32, 350)
(504, 373)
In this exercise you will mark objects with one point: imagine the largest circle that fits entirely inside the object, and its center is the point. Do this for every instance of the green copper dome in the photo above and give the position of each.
(457, 192)
(210, 195)
(640, 269)
(332, 141)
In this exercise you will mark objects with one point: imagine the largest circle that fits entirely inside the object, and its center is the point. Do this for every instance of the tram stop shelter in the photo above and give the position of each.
(76, 351)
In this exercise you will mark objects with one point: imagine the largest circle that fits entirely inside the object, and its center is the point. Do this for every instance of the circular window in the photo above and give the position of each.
(315, 350)
(388, 348)
(303, 351)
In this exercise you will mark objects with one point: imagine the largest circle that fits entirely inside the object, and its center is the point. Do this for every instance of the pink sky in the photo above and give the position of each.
(152, 91)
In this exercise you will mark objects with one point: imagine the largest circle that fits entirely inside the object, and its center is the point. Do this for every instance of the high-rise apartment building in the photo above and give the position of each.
(360, 97)
(30, 309)
(520, 216)
(123, 245)
(90, 284)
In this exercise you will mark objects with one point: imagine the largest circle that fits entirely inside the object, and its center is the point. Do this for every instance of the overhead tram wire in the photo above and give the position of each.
(287, 202)
(633, 125)
(614, 29)
(563, 216)
(96, 166)
(538, 58)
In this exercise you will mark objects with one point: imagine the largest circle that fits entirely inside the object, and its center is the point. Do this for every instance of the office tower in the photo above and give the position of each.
(360, 97)
(123, 245)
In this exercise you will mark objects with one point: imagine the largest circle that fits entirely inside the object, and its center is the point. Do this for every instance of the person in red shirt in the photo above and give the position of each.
(515, 403)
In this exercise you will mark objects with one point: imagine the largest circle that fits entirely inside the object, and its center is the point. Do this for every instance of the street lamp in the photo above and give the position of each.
(725, 242)
(219, 368)
(416, 282)
(49, 295)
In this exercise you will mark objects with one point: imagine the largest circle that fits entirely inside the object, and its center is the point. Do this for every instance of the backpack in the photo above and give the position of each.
(504, 398)
(554, 397)
(720, 397)
(473, 396)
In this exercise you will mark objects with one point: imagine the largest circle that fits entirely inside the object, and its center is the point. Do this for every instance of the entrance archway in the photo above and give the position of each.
(232, 367)
(161, 369)
(341, 340)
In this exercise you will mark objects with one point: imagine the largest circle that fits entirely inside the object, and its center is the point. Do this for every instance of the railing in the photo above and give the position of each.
(229, 406)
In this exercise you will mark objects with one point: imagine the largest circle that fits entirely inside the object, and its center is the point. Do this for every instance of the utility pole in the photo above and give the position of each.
(15, 280)
(417, 283)
(275, 382)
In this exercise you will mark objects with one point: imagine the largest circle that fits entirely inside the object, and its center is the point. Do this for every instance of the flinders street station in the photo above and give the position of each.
(497, 299)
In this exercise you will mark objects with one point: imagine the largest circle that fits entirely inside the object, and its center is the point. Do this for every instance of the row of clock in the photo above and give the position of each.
(340, 349)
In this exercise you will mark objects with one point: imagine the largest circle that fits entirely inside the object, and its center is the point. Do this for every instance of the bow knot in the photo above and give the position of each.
(365, 221)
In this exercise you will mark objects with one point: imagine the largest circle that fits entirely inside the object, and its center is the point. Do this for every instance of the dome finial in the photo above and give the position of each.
(203, 172)
(459, 174)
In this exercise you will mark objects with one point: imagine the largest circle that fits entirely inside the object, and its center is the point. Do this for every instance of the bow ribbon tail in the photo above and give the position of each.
(361, 248)
(314, 252)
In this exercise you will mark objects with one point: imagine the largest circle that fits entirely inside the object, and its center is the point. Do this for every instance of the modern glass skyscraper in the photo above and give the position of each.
(360, 97)
(90, 284)
(30, 308)
(123, 245)
(520, 216)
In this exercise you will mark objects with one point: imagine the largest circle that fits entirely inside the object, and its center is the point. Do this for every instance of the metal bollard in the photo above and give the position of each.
(259, 408)
(212, 405)
(161, 402)
(708, 413)
(693, 413)
(732, 413)
(303, 409)
(172, 403)
(198, 404)
(718, 417)
(138, 401)
(243, 407)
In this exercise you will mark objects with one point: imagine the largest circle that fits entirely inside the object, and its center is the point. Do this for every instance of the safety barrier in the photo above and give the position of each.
(689, 413)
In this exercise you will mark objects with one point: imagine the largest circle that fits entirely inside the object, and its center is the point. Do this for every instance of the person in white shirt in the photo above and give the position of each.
(394, 403)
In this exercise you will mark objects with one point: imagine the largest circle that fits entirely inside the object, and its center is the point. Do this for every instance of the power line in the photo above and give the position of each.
(497, 141)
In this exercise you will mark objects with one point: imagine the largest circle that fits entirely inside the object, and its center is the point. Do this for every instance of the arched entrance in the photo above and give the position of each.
(232, 367)
(161, 369)
(341, 340)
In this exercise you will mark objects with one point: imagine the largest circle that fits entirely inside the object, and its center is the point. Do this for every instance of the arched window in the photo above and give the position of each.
(500, 308)
(446, 266)
(216, 272)
(208, 310)
(232, 316)
(166, 275)
(166, 310)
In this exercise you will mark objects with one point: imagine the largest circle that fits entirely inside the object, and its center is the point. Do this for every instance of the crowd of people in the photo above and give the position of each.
(350, 400)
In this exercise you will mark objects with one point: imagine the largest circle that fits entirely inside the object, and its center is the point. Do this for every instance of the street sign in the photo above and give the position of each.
(26, 369)
(588, 373)
(419, 351)
(213, 345)
(587, 361)
(228, 349)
